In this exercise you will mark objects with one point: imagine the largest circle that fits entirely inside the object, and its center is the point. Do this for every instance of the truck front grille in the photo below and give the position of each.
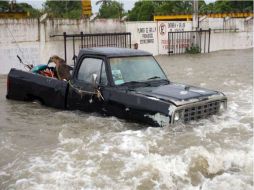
(201, 111)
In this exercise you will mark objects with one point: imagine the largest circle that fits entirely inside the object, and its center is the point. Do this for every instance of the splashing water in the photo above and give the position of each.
(44, 148)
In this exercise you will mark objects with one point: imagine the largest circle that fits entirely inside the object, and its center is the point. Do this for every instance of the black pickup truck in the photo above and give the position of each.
(120, 82)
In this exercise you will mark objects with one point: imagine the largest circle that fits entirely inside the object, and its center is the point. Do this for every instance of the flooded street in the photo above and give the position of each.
(50, 149)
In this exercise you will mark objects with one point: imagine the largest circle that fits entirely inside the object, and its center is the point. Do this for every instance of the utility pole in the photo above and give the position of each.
(13, 4)
(195, 15)
(195, 36)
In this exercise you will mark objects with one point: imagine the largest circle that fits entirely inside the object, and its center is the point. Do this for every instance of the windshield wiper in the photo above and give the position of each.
(155, 77)
(159, 79)
(130, 83)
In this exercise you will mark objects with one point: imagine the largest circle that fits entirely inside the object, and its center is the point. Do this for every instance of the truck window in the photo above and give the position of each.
(141, 68)
(90, 66)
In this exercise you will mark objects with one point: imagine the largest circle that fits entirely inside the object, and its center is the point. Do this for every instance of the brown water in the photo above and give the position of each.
(45, 148)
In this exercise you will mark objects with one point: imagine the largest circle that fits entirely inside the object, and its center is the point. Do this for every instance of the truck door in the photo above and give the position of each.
(83, 94)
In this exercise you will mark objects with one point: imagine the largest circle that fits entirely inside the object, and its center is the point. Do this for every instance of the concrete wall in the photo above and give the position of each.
(30, 39)
(226, 33)
(153, 36)
(234, 40)
(229, 33)
(145, 34)
(18, 37)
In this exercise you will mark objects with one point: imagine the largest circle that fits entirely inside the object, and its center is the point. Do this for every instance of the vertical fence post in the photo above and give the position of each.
(168, 45)
(200, 39)
(65, 51)
(130, 40)
(205, 41)
(81, 35)
(74, 55)
(209, 37)
(172, 43)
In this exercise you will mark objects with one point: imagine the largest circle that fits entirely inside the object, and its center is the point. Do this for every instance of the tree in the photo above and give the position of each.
(102, 2)
(63, 9)
(28, 8)
(112, 9)
(226, 6)
(183, 7)
(4, 6)
(173, 7)
(142, 11)
(229, 6)
(206, 8)
(164, 8)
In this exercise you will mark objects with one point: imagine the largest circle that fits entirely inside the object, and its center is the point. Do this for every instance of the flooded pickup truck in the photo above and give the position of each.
(119, 82)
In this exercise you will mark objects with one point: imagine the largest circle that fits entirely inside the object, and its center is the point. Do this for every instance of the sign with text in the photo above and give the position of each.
(171, 26)
(144, 34)
(86, 8)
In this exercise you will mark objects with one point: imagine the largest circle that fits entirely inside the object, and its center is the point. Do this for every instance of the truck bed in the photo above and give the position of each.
(29, 86)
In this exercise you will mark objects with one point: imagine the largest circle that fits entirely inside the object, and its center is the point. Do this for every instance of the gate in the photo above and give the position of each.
(182, 41)
(95, 40)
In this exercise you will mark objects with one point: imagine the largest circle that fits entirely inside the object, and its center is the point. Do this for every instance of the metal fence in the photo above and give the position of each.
(95, 40)
(184, 41)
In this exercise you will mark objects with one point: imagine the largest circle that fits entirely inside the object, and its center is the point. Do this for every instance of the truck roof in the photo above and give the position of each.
(113, 52)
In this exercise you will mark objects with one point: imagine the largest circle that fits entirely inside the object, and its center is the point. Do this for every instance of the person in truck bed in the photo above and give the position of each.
(62, 69)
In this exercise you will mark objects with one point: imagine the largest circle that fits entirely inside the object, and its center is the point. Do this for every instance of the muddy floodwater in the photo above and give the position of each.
(49, 149)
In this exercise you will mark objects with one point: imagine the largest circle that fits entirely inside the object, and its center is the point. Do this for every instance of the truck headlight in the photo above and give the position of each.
(177, 116)
(222, 107)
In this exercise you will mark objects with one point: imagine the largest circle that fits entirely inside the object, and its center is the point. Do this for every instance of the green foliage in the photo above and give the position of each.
(102, 2)
(229, 6)
(165, 7)
(4, 6)
(28, 8)
(194, 49)
(111, 9)
(206, 8)
(144, 10)
(183, 7)
(63, 9)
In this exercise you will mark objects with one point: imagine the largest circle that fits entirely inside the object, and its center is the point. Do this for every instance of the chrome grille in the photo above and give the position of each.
(201, 111)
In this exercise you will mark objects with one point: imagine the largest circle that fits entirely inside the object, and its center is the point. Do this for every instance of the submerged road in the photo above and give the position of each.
(45, 148)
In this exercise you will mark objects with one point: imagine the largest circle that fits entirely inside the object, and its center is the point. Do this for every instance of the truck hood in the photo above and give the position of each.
(178, 94)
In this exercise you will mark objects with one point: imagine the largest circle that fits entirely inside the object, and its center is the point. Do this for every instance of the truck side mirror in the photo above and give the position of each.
(94, 80)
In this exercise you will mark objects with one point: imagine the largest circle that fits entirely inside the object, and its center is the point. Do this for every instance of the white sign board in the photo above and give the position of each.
(144, 34)
(171, 26)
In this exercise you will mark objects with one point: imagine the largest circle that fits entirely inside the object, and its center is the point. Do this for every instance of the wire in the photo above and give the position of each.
(16, 43)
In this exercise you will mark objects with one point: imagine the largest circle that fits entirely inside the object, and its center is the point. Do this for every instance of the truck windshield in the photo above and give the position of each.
(135, 69)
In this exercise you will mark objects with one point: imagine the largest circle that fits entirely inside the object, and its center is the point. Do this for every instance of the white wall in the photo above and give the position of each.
(145, 34)
(24, 30)
(233, 40)
(153, 36)
(30, 39)
(18, 37)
